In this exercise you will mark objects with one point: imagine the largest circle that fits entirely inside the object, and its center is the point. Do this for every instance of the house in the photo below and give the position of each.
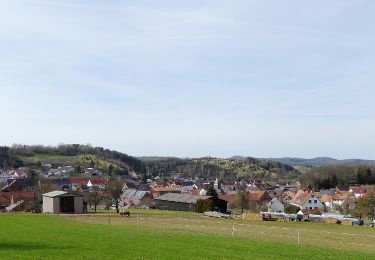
(98, 183)
(79, 184)
(230, 199)
(160, 189)
(275, 206)
(62, 184)
(4, 176)
(135, 198)
(92, 172)
(17, 174)
(257, 199)
(307, 199)
(56, 202)
(358, 192)
(286, 197)
(182, 202)
(326, 199)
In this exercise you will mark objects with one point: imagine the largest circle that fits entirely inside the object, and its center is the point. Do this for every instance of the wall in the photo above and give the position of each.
(51, 205)
(170, 205)
(78, 205)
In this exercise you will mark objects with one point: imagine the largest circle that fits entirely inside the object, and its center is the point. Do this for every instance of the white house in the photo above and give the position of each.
(275, 206)
(307, 200)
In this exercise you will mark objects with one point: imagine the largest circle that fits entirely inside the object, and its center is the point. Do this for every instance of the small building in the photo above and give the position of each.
(135, 198)
(56, 202)
(275, 206)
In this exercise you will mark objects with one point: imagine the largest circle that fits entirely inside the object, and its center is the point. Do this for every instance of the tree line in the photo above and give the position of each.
(327, 177)
(9, 155)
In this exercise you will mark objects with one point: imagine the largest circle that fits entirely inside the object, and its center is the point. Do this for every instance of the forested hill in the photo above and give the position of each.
(68, 154)
(223, 168)
(320, 161)
(117, 163)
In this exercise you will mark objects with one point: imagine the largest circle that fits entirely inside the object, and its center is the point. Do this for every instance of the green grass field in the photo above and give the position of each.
(27, 236)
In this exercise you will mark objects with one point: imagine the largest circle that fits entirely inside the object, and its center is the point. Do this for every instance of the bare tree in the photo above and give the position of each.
(95, 197)
(115, 191)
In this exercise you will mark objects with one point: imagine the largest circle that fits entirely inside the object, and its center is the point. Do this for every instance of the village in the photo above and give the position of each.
(59, 192)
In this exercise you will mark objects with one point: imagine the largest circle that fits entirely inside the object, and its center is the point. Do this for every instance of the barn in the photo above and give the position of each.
(56, 202)
(183, 202)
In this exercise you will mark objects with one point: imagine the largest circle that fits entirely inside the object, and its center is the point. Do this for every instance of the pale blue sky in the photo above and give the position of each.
(190, 78)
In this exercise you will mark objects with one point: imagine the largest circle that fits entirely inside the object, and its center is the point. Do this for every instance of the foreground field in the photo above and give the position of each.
(25, 236)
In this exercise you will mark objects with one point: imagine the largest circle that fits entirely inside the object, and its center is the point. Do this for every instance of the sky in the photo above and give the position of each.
(190, 78)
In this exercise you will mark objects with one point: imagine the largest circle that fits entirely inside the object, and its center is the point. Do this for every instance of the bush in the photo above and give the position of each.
(291, 209)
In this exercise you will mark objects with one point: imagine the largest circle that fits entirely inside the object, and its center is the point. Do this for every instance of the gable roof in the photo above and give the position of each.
(301, 197)
(273, 201)
(230, 198)
(131, 194)
(257, 195)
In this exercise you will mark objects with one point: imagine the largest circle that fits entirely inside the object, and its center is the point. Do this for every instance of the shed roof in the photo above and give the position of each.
(58, 193)
(183, 198)
(134, 194)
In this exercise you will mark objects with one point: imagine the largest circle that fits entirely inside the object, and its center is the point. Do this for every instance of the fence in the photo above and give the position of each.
(311, 234)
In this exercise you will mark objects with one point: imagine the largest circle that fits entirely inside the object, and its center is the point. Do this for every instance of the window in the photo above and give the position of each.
(310, 207)
(315, 207)
(315, 201)
(309, 201)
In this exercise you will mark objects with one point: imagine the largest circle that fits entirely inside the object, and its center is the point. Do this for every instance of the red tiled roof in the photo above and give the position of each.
(228, 198)
(98, 181)
(257, 195)
(359, 190)
(78, 181)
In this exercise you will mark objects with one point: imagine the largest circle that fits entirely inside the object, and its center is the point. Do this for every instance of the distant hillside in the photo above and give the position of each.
(79, 156)
(319, 161)
(222, 168)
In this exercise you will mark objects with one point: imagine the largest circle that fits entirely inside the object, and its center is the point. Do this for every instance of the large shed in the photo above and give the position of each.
(176, 201)
(62, 202)
(184, 202)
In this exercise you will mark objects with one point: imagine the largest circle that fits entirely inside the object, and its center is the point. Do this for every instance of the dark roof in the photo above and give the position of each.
(182, 198)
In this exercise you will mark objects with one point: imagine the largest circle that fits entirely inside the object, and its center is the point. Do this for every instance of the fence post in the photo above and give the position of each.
(233, 229)
(298, 237)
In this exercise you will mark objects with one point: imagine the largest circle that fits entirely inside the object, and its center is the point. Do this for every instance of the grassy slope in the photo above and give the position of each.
(42, 236)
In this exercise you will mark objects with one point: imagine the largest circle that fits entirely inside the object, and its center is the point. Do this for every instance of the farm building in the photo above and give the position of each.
(62, 202)
(135, 198)
(183, 202)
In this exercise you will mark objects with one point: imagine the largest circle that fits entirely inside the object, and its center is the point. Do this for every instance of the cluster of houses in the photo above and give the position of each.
(173, 194)
(6, 174)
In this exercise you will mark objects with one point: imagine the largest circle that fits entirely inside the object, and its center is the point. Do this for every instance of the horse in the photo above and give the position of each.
(124, 213)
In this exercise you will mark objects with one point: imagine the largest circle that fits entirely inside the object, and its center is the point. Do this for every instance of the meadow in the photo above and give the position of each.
(29, 236)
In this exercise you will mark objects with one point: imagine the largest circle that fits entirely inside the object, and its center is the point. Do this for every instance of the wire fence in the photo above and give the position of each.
(360, 239)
